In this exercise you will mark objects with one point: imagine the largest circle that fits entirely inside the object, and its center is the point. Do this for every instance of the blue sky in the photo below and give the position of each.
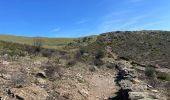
(76, 18)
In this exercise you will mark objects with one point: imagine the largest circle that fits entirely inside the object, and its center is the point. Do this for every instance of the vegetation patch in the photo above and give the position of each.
(165, 77)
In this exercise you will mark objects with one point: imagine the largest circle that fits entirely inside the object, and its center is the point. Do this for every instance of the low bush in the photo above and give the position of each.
(47, 52)
(71, 63)
(52, 71)
(37, 43)
(98, 62)
(150, 72)
(165, 77)
(99, 54)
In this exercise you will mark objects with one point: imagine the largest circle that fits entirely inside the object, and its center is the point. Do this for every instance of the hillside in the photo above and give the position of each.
(47, 42)
(145, 47)
(122, 65)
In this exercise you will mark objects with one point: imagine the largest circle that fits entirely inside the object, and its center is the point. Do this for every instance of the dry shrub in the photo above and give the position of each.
(52, 71)
(150, 72)
(71, 63)
(38, 43)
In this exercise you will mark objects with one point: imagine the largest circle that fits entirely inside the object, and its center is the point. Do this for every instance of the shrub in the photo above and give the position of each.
(47, 52)
(98, 62)
(150, 72)
(82, 51)
(71, 63)
(99, 54)
(111, 65)
(52, 71)
(165, 77)
(38, 43)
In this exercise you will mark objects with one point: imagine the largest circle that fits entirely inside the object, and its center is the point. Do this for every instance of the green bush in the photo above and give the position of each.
(99, 54)
(150, 72)
(165, 77)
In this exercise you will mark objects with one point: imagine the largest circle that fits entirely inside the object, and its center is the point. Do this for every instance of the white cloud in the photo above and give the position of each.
(56, 29)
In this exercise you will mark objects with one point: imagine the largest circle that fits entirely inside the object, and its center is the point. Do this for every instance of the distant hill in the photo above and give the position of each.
(47, 42)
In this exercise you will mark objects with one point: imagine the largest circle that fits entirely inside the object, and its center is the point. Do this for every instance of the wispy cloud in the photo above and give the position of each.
(118, 13)
(120, 23)
(148, 25)
(81, 21)
(56, 29)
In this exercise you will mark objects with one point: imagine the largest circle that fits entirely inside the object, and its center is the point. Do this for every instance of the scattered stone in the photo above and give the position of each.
(135, 81)
(5, 56)
(5, 62)
(155, 91)
(6, 76)
(41, 81)
(149, 86)
(92, 68)
(84, 93)
(30, 93)
(37, 63)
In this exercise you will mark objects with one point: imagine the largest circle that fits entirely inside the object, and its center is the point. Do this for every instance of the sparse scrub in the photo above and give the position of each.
(150, 72)
(98, 62)
(47, 52)
(38, 43)
(71, 63)
(52, 71)
(111, 65)
(99, 54)
(12, 49)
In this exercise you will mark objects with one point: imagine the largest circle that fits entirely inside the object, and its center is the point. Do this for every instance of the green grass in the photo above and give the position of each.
(54, 43)
(165, 77)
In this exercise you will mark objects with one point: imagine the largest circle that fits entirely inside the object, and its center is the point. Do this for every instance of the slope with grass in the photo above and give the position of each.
(47, 42)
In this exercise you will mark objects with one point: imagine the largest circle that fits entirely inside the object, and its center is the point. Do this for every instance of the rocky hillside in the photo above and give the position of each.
(111, 66)
(145, 47)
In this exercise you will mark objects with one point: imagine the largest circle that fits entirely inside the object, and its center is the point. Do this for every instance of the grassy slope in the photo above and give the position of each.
(48, 42)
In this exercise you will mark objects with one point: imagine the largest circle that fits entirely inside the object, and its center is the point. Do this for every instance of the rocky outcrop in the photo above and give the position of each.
(135, 89)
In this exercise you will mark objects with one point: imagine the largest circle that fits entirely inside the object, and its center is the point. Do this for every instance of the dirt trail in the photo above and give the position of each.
(101, 87)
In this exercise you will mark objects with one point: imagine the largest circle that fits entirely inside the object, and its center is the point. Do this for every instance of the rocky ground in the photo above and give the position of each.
(30, 78)
(25, 79)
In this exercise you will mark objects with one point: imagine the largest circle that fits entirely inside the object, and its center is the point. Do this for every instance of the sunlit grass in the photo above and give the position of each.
(47, 42)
